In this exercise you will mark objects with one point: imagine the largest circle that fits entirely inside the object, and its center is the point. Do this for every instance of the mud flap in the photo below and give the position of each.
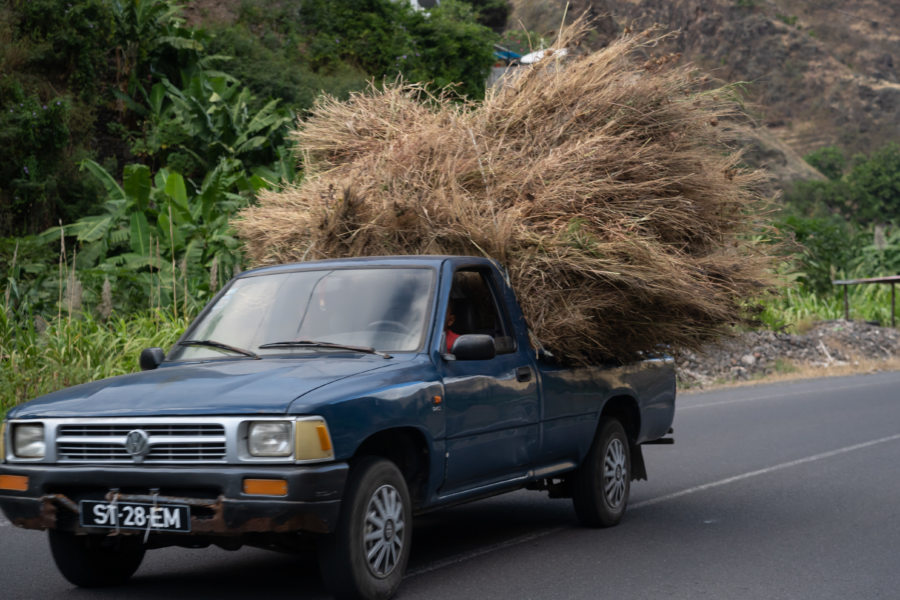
(638, 468)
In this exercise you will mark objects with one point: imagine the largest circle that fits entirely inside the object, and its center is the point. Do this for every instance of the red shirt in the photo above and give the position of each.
(451, 337)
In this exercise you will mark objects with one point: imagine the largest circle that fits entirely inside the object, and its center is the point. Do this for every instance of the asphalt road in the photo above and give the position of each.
(779, 491)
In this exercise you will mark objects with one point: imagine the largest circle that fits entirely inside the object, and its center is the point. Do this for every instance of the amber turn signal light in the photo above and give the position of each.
(324, 439)
(265, 487)
(16, 483)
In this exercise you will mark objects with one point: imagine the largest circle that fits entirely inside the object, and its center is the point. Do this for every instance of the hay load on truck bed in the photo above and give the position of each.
(331, 400)
(605, 183)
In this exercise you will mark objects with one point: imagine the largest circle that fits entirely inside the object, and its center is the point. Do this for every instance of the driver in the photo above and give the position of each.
(448, 324)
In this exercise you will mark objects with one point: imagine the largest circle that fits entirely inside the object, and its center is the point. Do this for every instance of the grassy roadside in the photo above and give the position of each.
(37, 357)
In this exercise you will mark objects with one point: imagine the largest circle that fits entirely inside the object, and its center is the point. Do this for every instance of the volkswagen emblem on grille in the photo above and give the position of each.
(137, 444)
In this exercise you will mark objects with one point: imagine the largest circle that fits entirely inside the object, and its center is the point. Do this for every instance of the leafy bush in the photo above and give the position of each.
(450, 47)
(828, 246)
(881, 255)
(866, 194)
(830, 161)
(34, 136)
(276, 67)
(386, 39)
(492, 13)
(69, 38)
(875, 187)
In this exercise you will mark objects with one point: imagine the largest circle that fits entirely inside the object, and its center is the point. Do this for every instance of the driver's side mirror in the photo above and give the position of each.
(474, 346)
(151, 358)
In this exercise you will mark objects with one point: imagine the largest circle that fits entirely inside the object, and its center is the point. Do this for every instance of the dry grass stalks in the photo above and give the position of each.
(602, 181)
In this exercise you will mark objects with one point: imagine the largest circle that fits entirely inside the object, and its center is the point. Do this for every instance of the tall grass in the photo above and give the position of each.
(797, 305)
(37, 357)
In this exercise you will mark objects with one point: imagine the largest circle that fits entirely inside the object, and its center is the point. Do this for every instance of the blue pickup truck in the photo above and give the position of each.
(333, 401)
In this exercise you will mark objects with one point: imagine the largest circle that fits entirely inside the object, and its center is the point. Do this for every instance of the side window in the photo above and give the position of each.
(475, 310)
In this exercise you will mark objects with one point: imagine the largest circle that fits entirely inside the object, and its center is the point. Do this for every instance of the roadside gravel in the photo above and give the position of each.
(826, 347)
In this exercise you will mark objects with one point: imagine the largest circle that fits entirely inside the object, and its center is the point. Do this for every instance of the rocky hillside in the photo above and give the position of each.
(820, 72)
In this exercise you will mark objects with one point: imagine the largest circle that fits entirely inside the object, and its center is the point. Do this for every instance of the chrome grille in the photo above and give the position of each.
(169, 442)
(199, 429)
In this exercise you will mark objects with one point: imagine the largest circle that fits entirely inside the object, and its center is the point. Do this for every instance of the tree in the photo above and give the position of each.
(492, 13)
(875, 186)
(829, 160)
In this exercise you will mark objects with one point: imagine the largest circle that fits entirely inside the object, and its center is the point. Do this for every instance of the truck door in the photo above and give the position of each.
(490, 406)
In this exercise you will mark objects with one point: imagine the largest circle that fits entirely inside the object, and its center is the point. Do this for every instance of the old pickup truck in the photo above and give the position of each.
(333, 401)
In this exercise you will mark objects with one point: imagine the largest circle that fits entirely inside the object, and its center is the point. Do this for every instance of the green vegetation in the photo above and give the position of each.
(128, 139)
(830, 161)
(40, 357)
(790, 20)
(866, 194)
(847, 227)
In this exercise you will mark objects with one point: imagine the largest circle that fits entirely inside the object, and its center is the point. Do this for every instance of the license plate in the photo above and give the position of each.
(135, 515)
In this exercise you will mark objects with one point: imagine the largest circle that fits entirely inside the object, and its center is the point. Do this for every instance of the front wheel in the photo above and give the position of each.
(601, 484)
(96, 561)
(366, 556)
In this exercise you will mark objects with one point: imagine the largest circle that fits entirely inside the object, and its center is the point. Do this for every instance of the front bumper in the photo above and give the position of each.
(218, 504)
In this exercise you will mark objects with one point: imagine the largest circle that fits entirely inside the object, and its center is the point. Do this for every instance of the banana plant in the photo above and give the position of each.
(212, 117)
(144, 30)
(152, 221)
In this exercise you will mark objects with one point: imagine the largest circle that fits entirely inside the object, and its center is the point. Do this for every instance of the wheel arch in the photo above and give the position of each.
(624, 408)
(408, 449)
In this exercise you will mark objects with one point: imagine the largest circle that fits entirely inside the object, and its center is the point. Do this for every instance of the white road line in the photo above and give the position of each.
(680, 408)
(767, 470)
(448, 562)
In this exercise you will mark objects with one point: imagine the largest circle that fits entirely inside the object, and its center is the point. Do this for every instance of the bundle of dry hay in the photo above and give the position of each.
(600, 181)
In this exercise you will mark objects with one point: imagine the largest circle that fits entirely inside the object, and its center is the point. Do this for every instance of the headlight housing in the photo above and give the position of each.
(312, 440)
(269, 439)
(28, 440)
(2, 442)
(305, 439)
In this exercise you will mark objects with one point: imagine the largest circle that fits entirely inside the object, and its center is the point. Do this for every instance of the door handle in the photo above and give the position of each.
(523, 374)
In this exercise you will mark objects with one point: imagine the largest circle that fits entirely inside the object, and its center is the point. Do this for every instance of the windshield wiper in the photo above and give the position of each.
(221, 346)
(315, 344)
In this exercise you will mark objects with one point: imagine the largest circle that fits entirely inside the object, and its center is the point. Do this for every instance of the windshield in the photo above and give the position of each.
(384, 309)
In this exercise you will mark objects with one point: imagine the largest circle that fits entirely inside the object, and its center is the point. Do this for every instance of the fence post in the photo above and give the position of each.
(846, 305)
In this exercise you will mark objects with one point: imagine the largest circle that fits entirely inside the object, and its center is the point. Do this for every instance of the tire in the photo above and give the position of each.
(601, 484)
(376, 506)
(96, 561)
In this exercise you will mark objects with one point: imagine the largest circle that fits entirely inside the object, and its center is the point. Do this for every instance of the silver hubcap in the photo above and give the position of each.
(384, 530)
(614, 473)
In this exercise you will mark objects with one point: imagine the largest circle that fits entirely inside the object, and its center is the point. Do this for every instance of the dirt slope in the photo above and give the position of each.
(820, 71)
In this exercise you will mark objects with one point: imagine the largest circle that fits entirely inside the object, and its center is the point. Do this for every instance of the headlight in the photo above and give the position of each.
(28, 441)
(2, 442)
(269, 438)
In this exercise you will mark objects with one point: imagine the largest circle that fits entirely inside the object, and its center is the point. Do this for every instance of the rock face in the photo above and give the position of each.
(821, 72)
(759, 353)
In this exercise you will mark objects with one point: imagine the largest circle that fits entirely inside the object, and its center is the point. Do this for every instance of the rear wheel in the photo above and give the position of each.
(601, 485)
(96, 561)
(366, 556)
